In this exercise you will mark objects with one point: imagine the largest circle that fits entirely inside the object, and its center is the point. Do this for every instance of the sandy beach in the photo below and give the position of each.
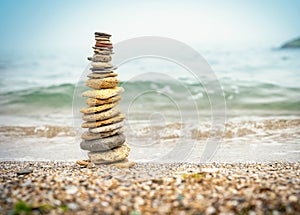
(180, 188)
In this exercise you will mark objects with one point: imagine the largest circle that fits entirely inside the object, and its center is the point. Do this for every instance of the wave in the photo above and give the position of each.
(56, 96)
(285, 129)
(261, 128)
(240, 96)
(48, 131)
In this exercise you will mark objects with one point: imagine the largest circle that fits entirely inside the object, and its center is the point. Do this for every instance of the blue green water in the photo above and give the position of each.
(260, 80)
(260, 87)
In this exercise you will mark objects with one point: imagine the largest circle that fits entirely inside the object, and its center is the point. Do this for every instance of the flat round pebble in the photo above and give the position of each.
(112, 120)
(103, 144)
(101, 115)
(92, 136)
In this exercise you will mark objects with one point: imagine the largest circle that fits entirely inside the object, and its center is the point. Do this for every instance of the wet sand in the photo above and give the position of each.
(70, 188)
(265, 139)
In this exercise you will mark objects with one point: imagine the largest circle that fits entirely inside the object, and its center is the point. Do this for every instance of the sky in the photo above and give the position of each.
(68, 24)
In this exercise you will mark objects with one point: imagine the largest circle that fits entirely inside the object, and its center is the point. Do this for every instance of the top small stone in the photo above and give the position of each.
(101, 34)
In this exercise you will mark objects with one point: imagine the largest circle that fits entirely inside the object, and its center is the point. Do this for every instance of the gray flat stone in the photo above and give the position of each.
(103, 144)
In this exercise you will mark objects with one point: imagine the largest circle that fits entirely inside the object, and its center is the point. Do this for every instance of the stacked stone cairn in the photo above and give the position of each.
(104, 139)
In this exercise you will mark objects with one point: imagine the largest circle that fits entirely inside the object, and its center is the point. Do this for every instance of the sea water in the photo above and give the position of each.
(164, 104)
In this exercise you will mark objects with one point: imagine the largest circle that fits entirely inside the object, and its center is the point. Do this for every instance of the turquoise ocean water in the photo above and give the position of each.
(261, 90)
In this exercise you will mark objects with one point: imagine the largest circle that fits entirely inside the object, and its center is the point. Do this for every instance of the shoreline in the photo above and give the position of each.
(147, 188)
(244, 139)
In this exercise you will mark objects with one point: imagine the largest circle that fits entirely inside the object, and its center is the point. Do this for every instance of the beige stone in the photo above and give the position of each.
(101, 65)
(95, 102)
(97, 109)
(114, 155)
(103, 52)
(100, 58)
(102, 115)
(109, 82)
(123, 164)
(92, 136)
(83, 163)
(102, 38)
(112, 120)
(104, 93)
(100, 76)
(107, 128)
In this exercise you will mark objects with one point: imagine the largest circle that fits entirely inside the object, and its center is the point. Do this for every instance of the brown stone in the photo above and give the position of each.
(103, 45)
(84, 163)
(104, 83)
(107, 42)
(96, 102)
(114, 155)
(112, 120)
(101, 34)
(104, 93)
(102, 48)
(102, 115)
(97, 109)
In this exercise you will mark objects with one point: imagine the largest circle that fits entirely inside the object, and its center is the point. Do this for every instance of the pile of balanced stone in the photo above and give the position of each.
(104, 139)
